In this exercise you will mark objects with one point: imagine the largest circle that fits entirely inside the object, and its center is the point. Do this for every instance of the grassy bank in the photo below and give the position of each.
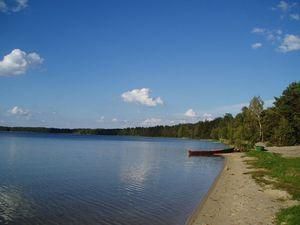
(284, 174)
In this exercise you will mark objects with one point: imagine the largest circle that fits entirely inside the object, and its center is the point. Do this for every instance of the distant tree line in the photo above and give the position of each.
(276, 125)
(82, 131)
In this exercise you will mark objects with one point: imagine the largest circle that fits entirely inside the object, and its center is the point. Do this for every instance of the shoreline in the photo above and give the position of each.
(194, 215)
(235, 197)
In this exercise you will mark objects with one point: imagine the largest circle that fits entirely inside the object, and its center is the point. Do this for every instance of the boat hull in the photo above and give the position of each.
(210, 153)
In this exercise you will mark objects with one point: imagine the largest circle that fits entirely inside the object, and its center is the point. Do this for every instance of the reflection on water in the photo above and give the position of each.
(13, 205)
(135, 174)
(68, 179)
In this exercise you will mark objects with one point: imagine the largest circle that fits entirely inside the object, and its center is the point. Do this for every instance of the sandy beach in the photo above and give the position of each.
(236, 199)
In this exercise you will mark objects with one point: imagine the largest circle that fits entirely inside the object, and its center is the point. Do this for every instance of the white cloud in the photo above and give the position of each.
(290, 43)
(21, 4)
(295, 16)
(258, 30)
(18, 62)
(207, 117)
(151, 122)
(256, 45)
(114, 120)
(141, 96)
(269, 35)
(190, 113)
(7, 6)
(3, 6)
(278, 32)
(16, 110)
(285, 6)
(101, 120)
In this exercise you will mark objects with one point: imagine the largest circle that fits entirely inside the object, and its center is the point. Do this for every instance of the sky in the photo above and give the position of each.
(109, 63)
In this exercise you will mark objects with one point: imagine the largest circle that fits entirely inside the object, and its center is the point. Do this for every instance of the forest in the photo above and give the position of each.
(277, 125)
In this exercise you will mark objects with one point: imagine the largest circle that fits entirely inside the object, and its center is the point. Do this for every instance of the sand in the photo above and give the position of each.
(236, 199)
(289, 151)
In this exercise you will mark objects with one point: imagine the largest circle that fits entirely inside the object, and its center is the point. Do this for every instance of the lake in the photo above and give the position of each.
(115, 180)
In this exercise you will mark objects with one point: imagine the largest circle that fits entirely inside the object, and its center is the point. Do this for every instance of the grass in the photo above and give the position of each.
(289, 216)
(284, 174)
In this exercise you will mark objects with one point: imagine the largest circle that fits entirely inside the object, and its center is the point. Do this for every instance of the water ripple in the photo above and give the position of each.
(54, 180)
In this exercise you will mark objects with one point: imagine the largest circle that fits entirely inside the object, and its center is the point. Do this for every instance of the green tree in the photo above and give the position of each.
(288, 106)
(284, 133)
(180, 131)
(270, 121)
(256, 108)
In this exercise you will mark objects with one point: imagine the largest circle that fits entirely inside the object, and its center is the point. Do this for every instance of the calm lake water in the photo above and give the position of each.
(69, 179)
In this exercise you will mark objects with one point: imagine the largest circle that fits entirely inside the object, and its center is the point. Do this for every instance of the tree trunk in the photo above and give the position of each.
(261, 135)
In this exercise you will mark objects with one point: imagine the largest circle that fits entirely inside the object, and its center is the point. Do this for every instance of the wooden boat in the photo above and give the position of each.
(210, 152)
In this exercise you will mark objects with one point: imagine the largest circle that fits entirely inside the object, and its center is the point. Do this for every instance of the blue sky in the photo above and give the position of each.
(140, 63)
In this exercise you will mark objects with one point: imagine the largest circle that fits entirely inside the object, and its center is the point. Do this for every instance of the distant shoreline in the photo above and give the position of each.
(44, 130)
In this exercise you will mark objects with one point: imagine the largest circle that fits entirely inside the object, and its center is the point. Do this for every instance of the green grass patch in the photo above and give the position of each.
(289, 216)
(284, 174)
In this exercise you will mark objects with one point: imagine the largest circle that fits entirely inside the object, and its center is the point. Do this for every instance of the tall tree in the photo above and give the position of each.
(256, 108)
(288, 107)
(284, 133)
